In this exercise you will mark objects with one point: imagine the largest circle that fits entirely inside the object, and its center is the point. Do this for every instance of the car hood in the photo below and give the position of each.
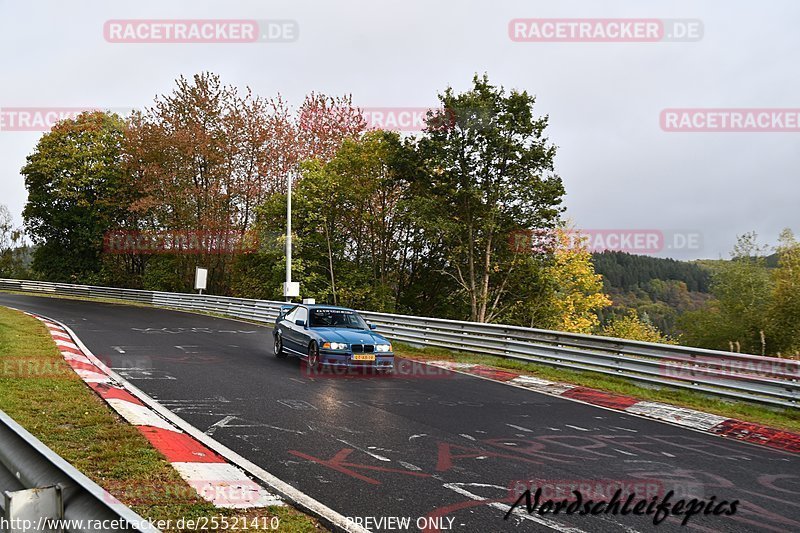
(350, 336)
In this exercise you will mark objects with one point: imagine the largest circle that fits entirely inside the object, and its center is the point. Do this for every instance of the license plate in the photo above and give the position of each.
(364, 357)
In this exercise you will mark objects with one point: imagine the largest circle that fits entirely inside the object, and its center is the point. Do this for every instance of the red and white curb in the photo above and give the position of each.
(214, 479)
(681, 416)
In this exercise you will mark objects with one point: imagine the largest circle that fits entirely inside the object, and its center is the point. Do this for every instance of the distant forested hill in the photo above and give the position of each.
(659, 289)
(625, 271)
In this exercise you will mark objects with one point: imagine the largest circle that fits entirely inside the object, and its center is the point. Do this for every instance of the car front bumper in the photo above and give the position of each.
(345, 359)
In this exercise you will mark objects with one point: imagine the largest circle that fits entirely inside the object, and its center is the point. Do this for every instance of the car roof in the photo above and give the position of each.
(316, 306)
(323, 306)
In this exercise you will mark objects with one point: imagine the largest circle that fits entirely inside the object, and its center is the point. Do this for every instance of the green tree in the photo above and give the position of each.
(490, 170)
(350, 216)
(76, 192)
(784, 311)
(14, 253)
(630, 326)
(738, 317)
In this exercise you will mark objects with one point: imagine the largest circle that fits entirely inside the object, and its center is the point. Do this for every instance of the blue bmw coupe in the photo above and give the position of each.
(327, 336)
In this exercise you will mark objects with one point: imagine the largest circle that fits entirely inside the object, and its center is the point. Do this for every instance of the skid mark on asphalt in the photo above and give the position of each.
(339, 462)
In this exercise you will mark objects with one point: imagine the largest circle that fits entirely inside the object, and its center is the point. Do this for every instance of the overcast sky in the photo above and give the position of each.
(621, 170)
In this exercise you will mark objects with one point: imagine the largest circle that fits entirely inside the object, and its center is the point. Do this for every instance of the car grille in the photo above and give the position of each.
(363, 348)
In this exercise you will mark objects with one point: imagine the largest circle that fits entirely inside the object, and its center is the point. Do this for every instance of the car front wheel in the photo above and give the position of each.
(279, 347)
(313, 356)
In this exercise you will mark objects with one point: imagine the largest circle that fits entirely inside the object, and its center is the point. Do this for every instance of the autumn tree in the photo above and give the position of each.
(575, 291)
(631, 326)
(207, 155)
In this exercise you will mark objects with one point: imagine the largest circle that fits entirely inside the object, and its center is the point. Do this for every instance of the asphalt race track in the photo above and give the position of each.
(444, 446)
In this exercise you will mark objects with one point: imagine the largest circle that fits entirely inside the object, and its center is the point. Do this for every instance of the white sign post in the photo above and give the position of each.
(200, 277)
(291, 289)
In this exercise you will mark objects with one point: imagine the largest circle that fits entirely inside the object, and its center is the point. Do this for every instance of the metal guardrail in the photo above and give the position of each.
(36, 484)
(766, 380)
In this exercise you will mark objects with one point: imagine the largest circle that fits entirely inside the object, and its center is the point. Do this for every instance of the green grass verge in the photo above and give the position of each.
(42, 393)
(787, 419)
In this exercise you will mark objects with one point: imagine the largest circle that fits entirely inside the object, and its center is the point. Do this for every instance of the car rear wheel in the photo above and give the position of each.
(313, 356)
(279, 353)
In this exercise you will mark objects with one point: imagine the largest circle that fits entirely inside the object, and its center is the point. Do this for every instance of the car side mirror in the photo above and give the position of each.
(301, 323)
(373, 326)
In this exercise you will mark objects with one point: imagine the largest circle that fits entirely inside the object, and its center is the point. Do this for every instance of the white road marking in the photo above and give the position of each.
(625, 429)
(139, 415)
(624, 452)
(142, 373)
(375, 455)
(520, 428)
(226, 486)
(417, 436)
(541, 385)
(468, 437)
(409, 466)
(297, 404)
(577, 427)
(119, 349)
(677, 415)
(188, 348)
(218, 424)
(90, 376)
(226, 423)
(68, 344)
(75, 357)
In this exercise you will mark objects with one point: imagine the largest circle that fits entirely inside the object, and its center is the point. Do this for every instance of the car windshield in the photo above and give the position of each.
(336, 318)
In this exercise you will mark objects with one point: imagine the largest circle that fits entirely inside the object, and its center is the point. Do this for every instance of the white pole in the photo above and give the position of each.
(288, 231)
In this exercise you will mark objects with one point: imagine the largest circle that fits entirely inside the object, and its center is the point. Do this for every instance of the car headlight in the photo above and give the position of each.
(383, 347)
(335, 345)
